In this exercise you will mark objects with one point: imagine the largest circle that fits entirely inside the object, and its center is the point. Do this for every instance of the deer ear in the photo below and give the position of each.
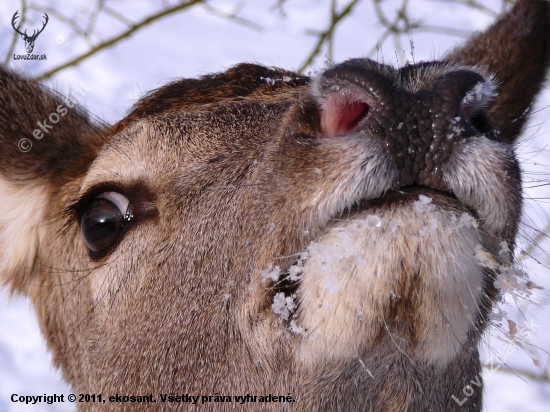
(516, 50)
(45, 143)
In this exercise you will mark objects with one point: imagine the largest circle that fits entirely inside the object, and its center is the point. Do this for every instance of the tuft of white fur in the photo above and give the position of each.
(21, 214)
(355, 271)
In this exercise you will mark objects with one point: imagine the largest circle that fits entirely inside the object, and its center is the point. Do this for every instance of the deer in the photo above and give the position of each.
(258, 239)
(29, 40)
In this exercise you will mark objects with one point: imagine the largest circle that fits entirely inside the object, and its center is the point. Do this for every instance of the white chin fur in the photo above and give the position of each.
(353, 272)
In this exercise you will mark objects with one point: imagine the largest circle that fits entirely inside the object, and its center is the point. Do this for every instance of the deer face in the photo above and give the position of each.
(258, 231)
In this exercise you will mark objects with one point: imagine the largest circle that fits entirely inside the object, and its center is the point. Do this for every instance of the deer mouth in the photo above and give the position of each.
(408, 193)
(372, 264)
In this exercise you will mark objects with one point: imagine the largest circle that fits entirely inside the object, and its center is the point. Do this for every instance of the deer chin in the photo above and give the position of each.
(363, 280)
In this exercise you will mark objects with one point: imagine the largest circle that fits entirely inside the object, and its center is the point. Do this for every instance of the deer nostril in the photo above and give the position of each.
(341, 115)
(481, 122)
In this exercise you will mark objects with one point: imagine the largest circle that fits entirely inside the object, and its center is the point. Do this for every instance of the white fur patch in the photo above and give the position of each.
(477, 173)
(21, 214)
(355, 271)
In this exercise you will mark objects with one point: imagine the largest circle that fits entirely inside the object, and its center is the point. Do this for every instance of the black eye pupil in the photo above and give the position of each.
(101, 224)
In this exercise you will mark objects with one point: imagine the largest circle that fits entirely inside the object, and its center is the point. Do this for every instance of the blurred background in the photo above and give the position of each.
(120, 49)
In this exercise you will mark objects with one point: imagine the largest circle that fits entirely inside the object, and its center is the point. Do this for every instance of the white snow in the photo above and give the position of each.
(479, 95)
(424, 204)
(282, 305)
(373, 221)
(271, 273)
(294, 328)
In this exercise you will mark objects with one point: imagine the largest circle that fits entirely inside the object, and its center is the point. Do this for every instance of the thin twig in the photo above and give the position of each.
(91, 22)
(528, 374)
(478, 6)
(279, 6)
(117, 15)
(68, 21)
(443, 30)
(113, 40)
(233, 16)
(323, 36)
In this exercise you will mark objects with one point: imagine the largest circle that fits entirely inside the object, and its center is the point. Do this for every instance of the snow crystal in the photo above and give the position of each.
(373, 221)
(271, 273)
(481, 92)
(268, 80)
(283, 305)
(467, 220)
(510, 280)
(273, 81)
(484, 258)
(279, 306)
(424, 204)
(294, 273)
(294, 328)
(514, 282)
(504, 252)
(271, 228)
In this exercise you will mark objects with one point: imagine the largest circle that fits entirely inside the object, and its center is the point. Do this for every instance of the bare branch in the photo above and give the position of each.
(233, 16)
(69, 22)
(527, 374)
(279, 6)
(323, 36)
(117, 15)
(113, 40)
(93, 18)
(443, 30)
(478, 6)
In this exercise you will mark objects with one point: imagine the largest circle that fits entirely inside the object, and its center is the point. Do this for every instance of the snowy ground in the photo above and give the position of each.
(197, 42)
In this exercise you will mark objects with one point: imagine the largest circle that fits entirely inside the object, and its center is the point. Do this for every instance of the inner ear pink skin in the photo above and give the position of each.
(341, 114)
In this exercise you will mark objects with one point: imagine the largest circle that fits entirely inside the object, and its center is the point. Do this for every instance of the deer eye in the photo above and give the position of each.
(103, 219)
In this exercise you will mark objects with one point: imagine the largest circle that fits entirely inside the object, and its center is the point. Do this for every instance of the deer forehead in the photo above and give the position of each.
(174, 145)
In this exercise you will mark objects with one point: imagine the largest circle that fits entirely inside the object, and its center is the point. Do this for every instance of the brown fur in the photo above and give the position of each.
(231, 175)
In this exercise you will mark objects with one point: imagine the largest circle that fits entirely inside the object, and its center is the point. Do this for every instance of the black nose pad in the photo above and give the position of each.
(418, 128)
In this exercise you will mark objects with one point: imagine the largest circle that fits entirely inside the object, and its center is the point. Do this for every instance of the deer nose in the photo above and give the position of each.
(419, 129)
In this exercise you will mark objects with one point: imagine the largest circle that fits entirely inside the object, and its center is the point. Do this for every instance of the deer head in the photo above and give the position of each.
(262, 232)
(29, 40)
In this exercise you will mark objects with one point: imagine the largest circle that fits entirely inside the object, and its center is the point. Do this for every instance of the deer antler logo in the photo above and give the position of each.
(29, 40)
